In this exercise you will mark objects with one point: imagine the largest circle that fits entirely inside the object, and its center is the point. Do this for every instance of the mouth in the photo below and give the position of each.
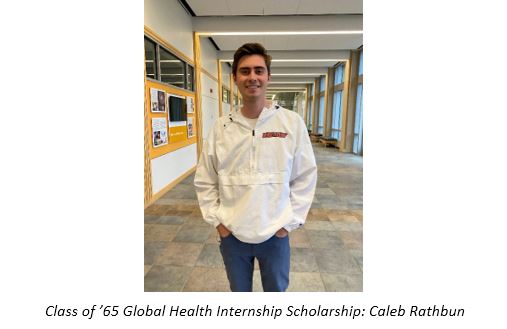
(253, 87)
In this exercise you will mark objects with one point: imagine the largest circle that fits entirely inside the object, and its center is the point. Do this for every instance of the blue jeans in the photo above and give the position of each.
(274, 262)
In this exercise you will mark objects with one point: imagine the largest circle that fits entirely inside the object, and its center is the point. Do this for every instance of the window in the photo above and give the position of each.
(320, 128)
(361, 63)
(225, 95)
(309, 114)
(190, 78)
(357, 147)
(164, 66)
(322, 84)
(150, 58)
(337, 120)
(338, 75)
(172, 69)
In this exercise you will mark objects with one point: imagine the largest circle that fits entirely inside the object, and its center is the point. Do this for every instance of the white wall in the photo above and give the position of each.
(226, 72)
(168, 167)
(209, 104)
(209, 57)
(169, 20)
(209, 99)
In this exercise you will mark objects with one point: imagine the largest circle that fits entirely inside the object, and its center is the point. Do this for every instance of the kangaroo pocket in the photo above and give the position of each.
(253, 203)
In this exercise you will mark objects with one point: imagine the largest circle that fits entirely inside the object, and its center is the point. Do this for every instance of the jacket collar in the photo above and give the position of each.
(266, 113)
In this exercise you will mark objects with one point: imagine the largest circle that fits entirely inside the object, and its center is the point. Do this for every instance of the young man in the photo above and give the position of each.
(256, 178)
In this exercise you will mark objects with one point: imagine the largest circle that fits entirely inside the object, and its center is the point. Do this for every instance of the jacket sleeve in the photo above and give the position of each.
(303, 179)
(206, 182)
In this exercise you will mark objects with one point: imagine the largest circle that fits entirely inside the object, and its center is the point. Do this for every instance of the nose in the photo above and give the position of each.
(252, 75)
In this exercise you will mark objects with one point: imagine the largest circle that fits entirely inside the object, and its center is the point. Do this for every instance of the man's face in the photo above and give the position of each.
(252, 77)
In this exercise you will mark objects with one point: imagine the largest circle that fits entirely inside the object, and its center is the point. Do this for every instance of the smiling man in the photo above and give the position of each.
(256, 178)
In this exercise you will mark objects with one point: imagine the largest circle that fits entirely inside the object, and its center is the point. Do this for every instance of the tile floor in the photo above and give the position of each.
(181, 251)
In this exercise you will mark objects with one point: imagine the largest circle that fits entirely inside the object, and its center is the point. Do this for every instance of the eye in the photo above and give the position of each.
(259, 71)
(244, 71)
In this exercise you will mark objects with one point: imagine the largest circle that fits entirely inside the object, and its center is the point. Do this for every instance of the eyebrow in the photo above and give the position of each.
(255, 67)
(249, 67)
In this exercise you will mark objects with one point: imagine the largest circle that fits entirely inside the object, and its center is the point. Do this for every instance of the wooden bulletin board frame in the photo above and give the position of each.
(172, 145)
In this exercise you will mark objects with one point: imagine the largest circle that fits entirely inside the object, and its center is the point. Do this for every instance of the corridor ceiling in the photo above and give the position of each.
(293, 31)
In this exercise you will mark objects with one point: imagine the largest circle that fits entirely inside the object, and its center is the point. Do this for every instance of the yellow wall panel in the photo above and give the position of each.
(178, 136)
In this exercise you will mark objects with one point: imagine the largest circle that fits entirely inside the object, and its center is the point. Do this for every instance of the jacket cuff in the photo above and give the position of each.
(292, 226)
(214, 222)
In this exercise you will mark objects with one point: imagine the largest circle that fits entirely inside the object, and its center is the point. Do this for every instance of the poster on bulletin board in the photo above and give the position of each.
(159, 131)
(190, 127)
(158, 100)
(190, 105)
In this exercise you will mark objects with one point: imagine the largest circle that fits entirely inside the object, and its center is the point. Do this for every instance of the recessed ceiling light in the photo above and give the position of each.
(282, 33)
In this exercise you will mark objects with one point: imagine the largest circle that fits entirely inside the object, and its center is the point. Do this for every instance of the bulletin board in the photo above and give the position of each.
(166, 135)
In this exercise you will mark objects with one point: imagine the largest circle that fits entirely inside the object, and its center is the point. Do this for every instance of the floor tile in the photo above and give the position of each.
(358, 256)
(166, 278)
(213, 237)
(303, 260)
(343, 225)
(324, 191)
(345, 216)
(257, 282)
(179, 253)
(210, 257)
(305, 282)
(336, 261)
(319, 225)
(154, 210)
(171, 220)
(352, 240)
(193, 233)
(207, 279)
(158, 232)
(147, 268)
(324, 239)
(151, 219)
(152, 250)
(299, 239)
(198, 221)
(341, 282)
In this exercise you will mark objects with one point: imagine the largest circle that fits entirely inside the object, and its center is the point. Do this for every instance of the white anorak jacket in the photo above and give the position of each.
(255, 182)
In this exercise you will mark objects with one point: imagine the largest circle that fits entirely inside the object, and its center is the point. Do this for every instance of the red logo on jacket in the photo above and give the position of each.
(272, 134)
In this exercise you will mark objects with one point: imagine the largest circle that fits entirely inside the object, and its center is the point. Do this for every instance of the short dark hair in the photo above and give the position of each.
(251, 49)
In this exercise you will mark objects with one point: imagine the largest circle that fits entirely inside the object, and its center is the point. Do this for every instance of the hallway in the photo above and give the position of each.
(181, 251)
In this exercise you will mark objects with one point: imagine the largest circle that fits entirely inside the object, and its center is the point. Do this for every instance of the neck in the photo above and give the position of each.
(253, 108)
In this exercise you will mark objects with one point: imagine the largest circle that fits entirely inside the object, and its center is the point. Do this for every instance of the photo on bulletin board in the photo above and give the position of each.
(159, 131)
(158, 100)
(190, 105)
(190, 127)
